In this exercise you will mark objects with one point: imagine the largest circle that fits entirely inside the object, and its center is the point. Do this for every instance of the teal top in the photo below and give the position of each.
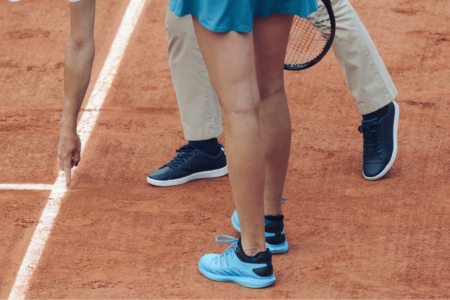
(237, 15)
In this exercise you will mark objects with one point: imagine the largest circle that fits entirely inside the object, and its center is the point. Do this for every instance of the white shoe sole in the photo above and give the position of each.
(394, 151)
(200, 175)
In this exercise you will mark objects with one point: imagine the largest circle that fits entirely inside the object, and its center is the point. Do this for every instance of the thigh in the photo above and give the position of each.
(271, 37)
(231, 65)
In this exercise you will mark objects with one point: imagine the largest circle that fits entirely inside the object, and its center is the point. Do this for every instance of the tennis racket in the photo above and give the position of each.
(311, 38)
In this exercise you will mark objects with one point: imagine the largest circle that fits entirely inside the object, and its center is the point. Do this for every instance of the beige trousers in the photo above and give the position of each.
(364, 70)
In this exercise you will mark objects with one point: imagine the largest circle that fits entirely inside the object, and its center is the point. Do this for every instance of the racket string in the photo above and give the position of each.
(309, 37)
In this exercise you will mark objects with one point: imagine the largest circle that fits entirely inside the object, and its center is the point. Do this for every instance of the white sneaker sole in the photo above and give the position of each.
(394, 151)
(200, 175)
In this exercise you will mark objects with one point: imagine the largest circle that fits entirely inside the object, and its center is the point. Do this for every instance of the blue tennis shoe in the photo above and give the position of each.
(276, 240)
(233, 265)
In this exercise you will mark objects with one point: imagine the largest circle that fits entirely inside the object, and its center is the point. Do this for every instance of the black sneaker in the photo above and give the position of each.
(380, 143)
(189, 164)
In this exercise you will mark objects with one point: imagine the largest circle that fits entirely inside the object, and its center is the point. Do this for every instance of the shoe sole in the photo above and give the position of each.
(275, 249)
(394, 151)
(247, 282)
(200, 175)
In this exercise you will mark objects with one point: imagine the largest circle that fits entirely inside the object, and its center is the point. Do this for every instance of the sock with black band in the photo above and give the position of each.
(275, 218)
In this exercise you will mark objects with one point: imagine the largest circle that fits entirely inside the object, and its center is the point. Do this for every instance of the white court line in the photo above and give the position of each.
(26, 186)
(85, 127)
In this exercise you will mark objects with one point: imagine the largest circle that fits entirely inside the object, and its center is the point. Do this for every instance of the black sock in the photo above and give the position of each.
(279, 218)
(211, 146)
(376, 114)
(242, 250)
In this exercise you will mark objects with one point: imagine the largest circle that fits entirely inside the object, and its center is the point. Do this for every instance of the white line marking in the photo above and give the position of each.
(85, 127)
(26, 186)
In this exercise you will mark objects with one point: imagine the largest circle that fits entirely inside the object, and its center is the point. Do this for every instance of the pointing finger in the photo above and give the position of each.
(67, 172)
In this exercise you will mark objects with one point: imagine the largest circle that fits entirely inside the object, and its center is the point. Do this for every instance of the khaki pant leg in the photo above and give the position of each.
(366, 75)
(197, 100)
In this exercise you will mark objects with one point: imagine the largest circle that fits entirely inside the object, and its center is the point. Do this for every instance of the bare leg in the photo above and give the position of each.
(230, 61)
(271, 37)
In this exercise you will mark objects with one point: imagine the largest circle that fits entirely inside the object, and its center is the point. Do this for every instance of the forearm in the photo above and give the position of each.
(78, 67)
(79, 57)
(77, 74)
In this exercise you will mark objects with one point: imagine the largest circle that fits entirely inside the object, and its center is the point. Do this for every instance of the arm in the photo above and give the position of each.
(78, 67)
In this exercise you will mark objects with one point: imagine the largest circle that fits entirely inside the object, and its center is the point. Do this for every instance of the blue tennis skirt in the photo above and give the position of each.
(237, 15)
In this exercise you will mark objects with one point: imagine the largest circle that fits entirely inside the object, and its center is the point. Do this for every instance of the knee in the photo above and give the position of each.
(239, 96)
(241, 110)
(240, 106)
(271, 91)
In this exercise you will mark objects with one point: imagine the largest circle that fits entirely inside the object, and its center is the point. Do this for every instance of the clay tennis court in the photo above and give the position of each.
(117, 237)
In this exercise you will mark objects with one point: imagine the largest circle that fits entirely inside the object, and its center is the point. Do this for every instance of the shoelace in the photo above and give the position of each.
(227, 239)
(371, 139)
(183, 154)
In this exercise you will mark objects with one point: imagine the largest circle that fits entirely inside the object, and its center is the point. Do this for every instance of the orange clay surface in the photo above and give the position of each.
(116, 237)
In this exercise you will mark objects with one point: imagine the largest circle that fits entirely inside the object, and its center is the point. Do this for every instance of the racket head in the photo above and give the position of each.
(311, 38)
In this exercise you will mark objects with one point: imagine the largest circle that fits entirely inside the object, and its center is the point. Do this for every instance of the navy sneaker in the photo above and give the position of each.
(189, 164)
(276, 240)
(380, 143)
(233, 265)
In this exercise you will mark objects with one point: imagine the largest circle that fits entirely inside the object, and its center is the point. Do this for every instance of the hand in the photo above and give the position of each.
(69, 148)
